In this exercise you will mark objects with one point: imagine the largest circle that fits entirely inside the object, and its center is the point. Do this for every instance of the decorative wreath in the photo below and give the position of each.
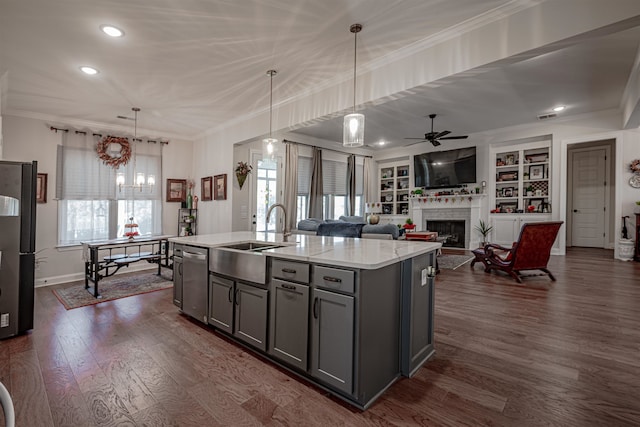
(125, 151)
(635, 166)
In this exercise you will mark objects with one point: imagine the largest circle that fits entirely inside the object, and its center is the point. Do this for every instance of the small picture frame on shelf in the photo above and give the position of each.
(507, 192)
(536, 172)
(510, 159)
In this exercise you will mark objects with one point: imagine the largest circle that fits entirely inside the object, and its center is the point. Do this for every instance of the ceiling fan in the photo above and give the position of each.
(435, 137)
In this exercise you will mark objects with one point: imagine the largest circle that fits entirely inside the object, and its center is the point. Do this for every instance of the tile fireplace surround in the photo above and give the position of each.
(466, 207)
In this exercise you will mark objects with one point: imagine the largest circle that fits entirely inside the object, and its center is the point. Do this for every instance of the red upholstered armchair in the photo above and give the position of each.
(530, 252)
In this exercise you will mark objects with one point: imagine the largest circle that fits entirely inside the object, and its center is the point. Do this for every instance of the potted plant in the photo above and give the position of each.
(242, 170)
(408, 224)
(529, 190)
(484, 229)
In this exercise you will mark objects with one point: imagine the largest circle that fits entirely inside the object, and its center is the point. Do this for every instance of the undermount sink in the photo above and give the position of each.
(252, 246)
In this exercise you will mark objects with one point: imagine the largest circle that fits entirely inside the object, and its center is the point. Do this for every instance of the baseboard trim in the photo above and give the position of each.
(66, 278)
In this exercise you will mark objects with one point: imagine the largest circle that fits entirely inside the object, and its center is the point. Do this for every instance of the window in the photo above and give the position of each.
(92, 206)
(334, 188)
(266, 195)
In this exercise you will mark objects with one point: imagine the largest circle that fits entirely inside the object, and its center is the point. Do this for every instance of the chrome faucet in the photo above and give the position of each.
(285, 232)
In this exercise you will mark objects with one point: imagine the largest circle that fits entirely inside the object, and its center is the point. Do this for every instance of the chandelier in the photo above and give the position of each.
(141, 181)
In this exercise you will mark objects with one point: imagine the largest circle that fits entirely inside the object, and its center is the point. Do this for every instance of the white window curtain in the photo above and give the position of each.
(91, 205)
(291, 184)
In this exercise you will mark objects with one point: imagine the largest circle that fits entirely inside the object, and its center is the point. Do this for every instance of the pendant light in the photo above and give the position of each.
(269, 144)
(353, 127)
(139, 177)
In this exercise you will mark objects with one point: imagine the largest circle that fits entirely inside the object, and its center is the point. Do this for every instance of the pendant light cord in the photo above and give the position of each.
(270, 103)
(355, 55)
(355, 29)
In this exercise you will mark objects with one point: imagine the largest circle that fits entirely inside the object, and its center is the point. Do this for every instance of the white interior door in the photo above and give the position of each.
(588, 198)
(266, 185)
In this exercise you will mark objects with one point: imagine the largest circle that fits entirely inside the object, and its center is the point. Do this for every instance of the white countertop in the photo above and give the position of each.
(340, 251)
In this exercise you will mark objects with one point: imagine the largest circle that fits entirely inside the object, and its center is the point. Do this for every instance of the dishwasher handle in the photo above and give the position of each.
(193, 255)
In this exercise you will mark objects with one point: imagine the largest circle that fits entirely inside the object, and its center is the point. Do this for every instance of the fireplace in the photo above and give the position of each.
(451, 232)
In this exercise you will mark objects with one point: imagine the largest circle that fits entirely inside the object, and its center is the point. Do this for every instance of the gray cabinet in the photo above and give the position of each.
(177, 276)
(417, 315)
(221, 303)
(239, 309)
(289, 322)
(251, 315)
(332, 339)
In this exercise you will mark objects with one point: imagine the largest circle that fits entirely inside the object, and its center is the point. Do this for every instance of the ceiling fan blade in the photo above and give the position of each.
(456, 137)
(417, 138)
(435, 142)
(441, 134)
(414, 143)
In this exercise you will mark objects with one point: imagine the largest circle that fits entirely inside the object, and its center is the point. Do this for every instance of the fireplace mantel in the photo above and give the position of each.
(424, 207)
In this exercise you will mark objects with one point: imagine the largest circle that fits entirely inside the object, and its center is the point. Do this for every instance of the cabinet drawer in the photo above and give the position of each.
(290, 270)
(334, 278)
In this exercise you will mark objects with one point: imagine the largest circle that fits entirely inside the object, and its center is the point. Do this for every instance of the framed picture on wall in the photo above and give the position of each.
(220, 187)
(176, 190)
(207, 188)
(41, 188)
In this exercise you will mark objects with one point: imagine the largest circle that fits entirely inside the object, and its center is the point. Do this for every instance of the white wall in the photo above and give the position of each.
(28, 139)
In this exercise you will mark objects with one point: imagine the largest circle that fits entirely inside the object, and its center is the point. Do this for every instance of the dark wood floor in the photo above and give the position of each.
(538, 354)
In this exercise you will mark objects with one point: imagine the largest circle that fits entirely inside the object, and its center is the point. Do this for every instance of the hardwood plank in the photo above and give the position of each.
(540, 353)
(66, 401)
(28, 391)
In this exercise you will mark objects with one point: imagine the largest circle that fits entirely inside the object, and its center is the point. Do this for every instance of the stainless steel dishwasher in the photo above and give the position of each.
(195, 278)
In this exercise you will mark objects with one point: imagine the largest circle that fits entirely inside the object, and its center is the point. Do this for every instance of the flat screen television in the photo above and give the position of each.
(445, 169)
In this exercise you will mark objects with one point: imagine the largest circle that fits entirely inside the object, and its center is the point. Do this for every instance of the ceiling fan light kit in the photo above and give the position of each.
(353, 126)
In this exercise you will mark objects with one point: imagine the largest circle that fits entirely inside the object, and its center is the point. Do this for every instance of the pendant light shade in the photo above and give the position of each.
(353, 127)
(269, 144)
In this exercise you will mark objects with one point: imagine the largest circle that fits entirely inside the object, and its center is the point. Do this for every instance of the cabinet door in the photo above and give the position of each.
(221, 303)
(289, 322)
(505, 230)
(251, 315)
(332, 339)
(177, 282)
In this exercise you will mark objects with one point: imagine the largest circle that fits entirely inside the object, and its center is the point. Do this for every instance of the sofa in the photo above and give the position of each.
(368, 231)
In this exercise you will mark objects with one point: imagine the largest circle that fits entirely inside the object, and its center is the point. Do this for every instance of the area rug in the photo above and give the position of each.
(119, 286)
(451, 262)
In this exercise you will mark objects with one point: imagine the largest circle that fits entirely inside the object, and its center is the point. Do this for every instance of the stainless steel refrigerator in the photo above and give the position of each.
(17, 246)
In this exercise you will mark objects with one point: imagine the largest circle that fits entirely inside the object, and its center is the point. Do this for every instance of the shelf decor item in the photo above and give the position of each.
(190, 185)
(242, 171)
(634, 181)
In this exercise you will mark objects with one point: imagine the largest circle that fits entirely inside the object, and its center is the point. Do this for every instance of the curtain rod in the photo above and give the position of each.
(329, 149)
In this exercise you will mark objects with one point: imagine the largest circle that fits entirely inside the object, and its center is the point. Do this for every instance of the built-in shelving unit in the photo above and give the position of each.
(520, 189)
(395, 184)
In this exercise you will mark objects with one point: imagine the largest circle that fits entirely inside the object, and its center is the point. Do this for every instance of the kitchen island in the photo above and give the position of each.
(350, 315)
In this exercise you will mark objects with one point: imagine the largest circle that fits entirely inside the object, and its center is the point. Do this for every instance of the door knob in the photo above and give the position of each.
(575, 210)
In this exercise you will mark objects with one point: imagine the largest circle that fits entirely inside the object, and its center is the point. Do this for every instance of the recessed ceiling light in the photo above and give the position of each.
(89, 70)
(559, 108)
(112, 31)
(381, 143)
